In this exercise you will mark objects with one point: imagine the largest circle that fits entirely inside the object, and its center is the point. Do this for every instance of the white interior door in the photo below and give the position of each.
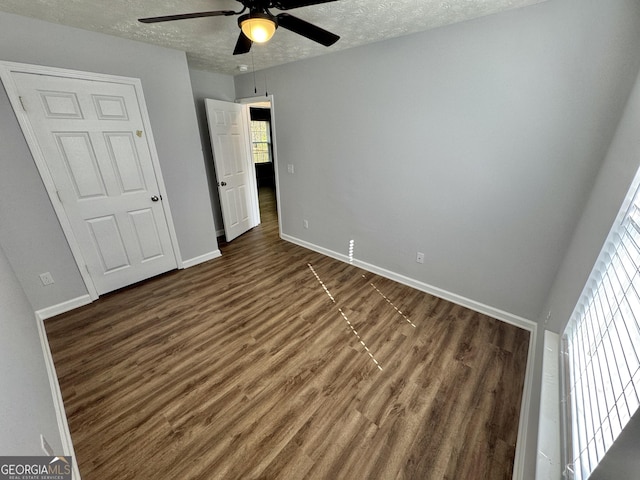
(230, 142)
(93, 140)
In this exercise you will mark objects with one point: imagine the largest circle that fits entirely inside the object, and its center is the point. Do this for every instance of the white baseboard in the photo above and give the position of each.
(219, 233)
(77, 302)
(424, 287)
(192, 262)
(63, 307)
(58, 404)
(529, 325)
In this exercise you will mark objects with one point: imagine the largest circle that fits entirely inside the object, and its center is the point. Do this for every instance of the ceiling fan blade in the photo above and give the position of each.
(289, 4)
(243, 45)
(307, 29)
(169, 18)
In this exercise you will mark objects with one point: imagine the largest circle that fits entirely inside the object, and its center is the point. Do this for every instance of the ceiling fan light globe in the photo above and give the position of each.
(259, 30)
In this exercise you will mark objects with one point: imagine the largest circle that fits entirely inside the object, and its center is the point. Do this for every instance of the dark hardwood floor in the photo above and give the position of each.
(275, 362)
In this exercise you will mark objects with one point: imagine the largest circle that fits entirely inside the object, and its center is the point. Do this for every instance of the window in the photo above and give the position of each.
(260, 141)
(602, 347)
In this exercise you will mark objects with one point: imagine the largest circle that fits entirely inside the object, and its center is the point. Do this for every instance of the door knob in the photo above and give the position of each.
(154, 198)
(223, 184)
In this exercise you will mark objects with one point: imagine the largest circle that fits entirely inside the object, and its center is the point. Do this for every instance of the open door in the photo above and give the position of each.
(234, 171)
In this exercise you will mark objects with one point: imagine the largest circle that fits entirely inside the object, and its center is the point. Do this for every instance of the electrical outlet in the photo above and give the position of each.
(46, 448)
(46, 278)
(290, 168)
(420, 257)
(305, 223)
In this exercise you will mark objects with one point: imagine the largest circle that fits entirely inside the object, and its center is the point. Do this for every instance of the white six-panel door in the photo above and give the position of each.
(234, 169)
(93, 140)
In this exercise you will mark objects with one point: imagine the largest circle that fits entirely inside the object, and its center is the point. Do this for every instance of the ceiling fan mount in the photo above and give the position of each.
(260, 24)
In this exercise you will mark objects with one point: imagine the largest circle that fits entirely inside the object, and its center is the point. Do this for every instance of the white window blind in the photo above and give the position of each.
(602, 344)
(260, 141)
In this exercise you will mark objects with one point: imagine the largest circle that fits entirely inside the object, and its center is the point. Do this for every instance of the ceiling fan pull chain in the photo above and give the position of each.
(253, 66)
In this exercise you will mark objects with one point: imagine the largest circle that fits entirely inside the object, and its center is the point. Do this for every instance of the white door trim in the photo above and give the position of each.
(12, 92)
(270, 98)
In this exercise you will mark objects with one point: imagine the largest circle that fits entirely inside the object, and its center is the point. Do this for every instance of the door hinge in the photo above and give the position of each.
(22, 103)
(58, 194)
(86, 267)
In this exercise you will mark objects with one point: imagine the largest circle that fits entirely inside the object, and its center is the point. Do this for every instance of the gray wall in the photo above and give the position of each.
(26, 403)
(477, 144)
(29, 231)
(217, 87)
(611, 186)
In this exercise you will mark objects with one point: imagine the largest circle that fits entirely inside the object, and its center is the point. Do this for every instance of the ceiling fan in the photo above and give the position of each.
(260, 24)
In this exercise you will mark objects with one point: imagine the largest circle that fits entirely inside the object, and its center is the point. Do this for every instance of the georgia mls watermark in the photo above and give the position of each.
(35, 468)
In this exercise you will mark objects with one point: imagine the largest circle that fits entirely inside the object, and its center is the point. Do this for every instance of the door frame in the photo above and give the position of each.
(270, 99)
(6, 68)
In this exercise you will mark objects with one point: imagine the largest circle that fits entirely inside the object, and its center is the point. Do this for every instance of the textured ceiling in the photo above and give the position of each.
(209, 42)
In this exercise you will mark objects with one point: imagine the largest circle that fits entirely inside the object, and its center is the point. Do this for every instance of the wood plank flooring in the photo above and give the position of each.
(252, 366)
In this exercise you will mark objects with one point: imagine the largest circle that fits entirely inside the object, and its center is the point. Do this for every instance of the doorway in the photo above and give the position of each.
(264, 156)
